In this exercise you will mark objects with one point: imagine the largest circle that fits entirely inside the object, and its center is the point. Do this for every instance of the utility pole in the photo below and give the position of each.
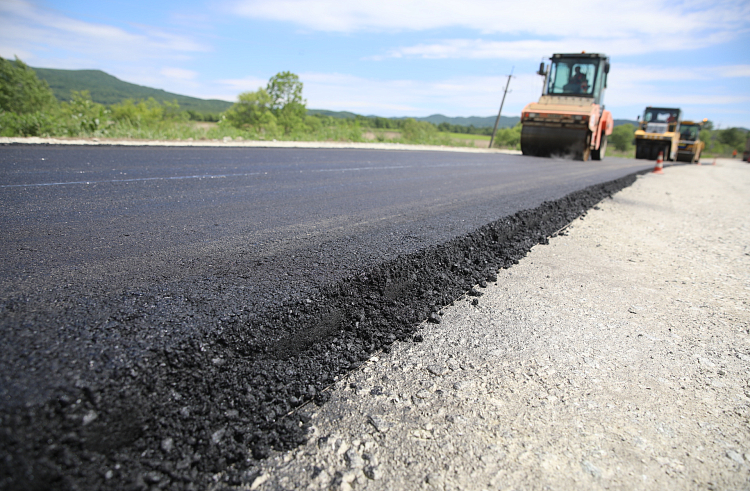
(497, 120)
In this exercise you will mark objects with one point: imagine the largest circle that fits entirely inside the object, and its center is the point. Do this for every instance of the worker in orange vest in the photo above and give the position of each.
(734, 154)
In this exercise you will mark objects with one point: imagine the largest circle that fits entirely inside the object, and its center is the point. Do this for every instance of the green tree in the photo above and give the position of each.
(252, 111)
(734, 138)
(287, 104)
(21, 91)
(285, 88)
(622, 137)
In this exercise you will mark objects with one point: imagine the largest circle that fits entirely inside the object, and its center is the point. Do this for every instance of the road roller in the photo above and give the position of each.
(658, 132)
(569, 121)
(690, 146)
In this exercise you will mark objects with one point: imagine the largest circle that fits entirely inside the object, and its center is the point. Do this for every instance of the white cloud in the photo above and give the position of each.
(734, 71)
(518, 30)
(31, 29)
(455, 96)
(178, 73)
(594, 18)
(246, 84)
(531, 48)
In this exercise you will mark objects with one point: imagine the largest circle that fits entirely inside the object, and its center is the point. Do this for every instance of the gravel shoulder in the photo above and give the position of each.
(616, 357)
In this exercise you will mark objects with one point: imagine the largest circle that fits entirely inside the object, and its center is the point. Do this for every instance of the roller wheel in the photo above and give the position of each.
(584, 153)
(640, 152)
(599, 153)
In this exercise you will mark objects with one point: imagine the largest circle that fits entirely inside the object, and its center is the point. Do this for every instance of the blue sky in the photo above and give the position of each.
(400, 57)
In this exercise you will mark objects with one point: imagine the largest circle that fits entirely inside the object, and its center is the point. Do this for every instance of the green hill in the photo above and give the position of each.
(107, 89)
(618, 122)
(475, 121)
(333, 114)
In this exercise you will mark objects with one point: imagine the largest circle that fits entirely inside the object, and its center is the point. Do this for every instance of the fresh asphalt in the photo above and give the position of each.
(121, 263)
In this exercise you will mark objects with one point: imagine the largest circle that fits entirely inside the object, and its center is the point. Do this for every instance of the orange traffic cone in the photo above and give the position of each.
(659, 164)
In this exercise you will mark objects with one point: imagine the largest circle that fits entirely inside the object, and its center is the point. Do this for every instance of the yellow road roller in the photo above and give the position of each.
(569, 121)
(658, 132)
(690, 146)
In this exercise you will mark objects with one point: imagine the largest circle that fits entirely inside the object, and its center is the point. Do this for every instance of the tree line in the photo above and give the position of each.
(276, 111)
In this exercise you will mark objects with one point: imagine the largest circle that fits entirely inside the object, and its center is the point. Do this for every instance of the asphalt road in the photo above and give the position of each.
(110, 254)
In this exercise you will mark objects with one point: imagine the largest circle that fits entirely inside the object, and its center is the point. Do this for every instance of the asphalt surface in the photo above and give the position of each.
(168, 308)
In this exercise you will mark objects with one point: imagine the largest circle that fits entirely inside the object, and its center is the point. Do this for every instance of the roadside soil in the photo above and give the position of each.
(616, 357)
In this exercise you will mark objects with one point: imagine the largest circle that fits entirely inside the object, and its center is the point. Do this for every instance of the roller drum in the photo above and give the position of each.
(543, 141)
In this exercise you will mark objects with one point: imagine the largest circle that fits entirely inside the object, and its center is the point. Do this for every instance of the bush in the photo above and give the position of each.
(508, 137)
(733, 138)
(418, 131)
(82, 116)
(38, 123)
(724, 142)
(622, 137)
(252, 111)
(146, 114)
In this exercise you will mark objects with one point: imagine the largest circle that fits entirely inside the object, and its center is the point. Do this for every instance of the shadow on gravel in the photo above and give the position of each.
(210, 405)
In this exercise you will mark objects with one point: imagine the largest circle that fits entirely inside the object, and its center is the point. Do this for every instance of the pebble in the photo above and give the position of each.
(342, 447)
(218, 435)
(735, 456)
(167, 444)
(591, 469)
(373, 472)
(354, 460)
(435, 480)
(438, 370)
(89, 417)
(381, 425)
(258, 481)
(635, 309)
(152, 477)
(435, 318)
(462, 385)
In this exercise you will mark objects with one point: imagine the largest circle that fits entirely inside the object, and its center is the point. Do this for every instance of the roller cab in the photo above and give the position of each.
(569, 120)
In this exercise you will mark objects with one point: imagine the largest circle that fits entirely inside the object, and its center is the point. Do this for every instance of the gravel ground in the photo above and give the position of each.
(616, 357)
